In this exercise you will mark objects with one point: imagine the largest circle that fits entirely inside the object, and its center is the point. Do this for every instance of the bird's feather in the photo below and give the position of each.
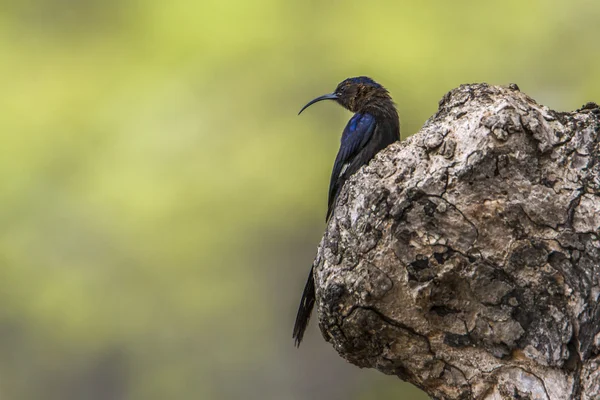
(305, 309)
(357, 133)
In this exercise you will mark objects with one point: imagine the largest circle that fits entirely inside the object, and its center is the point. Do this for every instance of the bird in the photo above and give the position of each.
(374, 126)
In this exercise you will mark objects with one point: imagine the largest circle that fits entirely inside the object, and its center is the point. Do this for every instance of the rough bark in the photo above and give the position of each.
(466, 259)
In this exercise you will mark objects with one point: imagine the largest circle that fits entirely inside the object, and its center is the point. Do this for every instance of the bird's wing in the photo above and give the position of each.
(357, 133)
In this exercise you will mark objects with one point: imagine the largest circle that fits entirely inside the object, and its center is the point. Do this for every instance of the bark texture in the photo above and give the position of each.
(466, 259)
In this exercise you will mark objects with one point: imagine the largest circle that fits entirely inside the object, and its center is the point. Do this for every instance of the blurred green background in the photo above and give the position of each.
(161, 202)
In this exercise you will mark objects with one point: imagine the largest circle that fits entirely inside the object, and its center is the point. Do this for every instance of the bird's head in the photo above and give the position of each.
(360, 94)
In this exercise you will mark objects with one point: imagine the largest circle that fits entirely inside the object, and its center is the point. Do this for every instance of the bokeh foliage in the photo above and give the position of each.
(160, 201)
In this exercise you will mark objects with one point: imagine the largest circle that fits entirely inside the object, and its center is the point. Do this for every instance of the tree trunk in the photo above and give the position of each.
(466, 259)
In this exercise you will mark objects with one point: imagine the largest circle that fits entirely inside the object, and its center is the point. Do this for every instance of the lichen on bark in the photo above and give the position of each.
(466, 259)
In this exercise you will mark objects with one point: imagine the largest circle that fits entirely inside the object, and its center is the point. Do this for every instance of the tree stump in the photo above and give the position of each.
(466, 259)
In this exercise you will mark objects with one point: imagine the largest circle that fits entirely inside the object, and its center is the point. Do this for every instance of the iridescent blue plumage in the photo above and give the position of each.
(373, 127)
(363, 80)
(357, 133)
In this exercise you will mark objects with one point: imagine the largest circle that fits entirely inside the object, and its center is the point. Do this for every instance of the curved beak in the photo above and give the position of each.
(330, 96)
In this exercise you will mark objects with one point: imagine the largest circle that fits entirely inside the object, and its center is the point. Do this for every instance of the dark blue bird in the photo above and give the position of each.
(372, 128)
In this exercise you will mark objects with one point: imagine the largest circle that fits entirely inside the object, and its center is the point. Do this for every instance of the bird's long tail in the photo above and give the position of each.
(304, 310)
